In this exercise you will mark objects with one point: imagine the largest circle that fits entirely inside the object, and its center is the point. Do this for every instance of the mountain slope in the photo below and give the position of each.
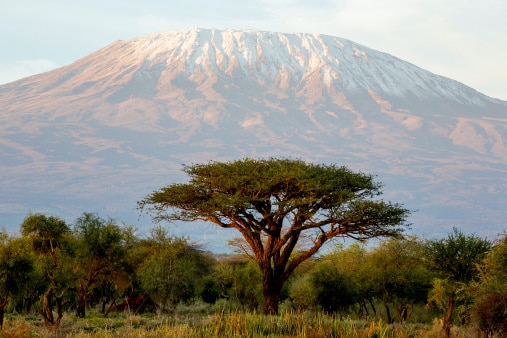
(100, 133)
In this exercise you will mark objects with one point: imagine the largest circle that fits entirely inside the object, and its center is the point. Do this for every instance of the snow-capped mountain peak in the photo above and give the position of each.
(117, 123)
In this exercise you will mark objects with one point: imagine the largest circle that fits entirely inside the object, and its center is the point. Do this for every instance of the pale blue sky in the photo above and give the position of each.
(465, 40)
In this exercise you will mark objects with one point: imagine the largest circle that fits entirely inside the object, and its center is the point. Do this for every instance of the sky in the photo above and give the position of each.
(465, 40)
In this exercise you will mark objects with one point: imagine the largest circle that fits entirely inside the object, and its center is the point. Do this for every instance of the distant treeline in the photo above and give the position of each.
(54, 268)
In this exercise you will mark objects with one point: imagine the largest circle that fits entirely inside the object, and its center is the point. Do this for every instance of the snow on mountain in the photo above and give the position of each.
(99, 134)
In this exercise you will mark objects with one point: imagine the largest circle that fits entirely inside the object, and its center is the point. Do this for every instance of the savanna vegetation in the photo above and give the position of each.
(97, 278)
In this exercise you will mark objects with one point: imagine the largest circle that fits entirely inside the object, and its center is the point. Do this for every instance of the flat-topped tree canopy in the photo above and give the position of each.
(273, 203)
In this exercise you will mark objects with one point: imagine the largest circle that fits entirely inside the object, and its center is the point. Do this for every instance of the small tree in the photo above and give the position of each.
(456, 259)
(246, 286)
(209, 290)
(171, 270)
(274, 203)
(398, 275)
(334, 290)
(16, 265)
(302, 293)
(99, 252)
(490, 306)
(49, 236)
(354, 263)
(122, 281)
(240, 282)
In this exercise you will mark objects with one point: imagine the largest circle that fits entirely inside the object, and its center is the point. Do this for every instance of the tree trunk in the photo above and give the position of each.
(363, 308)
(388, 313)
(47, 310)
(81, 307)
(404, 310)
(3, 303)
(111, 307)
(59, 311)
(372, 306)
(271, 299)
(81, 302)
(447, 322)
(105, 300)
(271, 287)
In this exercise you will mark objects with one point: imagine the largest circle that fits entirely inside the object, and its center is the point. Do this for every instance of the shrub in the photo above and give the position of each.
(209, 291)
(490, 313)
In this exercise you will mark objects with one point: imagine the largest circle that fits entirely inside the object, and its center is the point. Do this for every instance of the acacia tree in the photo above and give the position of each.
(456, 259)
(274, 203)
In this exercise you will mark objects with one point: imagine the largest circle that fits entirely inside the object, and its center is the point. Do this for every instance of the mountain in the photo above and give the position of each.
(99, 134)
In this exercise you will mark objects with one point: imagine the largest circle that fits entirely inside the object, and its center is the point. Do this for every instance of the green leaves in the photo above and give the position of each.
(457, 256)
(47, 232)
(99, 239)
(170, 269)
(258, 189)
(16, 264)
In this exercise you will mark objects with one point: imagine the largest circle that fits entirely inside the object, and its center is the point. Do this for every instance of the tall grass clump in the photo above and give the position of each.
(289, 324)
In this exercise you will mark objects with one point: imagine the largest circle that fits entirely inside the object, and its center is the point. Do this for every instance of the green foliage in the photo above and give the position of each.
(171, 269)
(240, 280)
(16, 266)
(46, 267)
(456, 259)
(209, 290)
(334, 291)
(393, 273)
(499, 255)
(100, 258)
(248, 287)
(354, 264)
(399, 275)
(50, 237)
(224, 273)
(302, 293)
(489, 310)
(493, 275)
(458, 256)
(222, 191)
(48, 233)
(440, 293)
(98, 238)
(35, 284)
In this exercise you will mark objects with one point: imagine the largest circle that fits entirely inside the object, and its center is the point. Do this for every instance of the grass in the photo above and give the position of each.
(228, 325)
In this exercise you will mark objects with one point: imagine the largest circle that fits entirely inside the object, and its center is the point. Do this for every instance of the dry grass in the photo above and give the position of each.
(235, 324)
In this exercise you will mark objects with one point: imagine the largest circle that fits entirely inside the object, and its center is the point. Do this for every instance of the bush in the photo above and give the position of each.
(209, 291)
(490, 313)
(333, 291)
(302, 293)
